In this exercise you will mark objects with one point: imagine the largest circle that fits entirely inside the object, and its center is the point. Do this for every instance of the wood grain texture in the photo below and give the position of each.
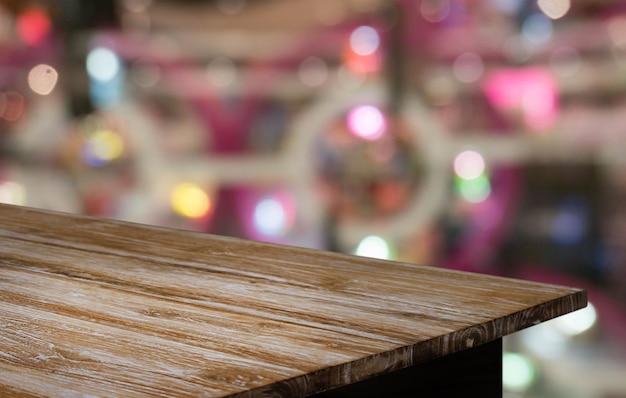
(101, 308)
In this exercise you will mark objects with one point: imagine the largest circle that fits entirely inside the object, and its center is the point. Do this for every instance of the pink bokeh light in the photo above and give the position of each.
(367, 122)
(531, 91)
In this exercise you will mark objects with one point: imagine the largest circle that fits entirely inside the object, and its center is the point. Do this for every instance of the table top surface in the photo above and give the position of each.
(93, 307)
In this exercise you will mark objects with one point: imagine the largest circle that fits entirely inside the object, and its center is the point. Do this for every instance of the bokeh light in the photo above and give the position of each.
(469, 165)
(518, 372)
(103, 64)
(554, 9)
(271, 217)
(374, 247)
(510, 7)
(313, 71)
(361, 54)
(544, 341)
(190, 201)
(537, 28)
(569, 224)
(42, 79)
(533, 91)
(12, 193)
(367, 121)
(102, 147)
(476, 190)
(364, 40)
(468, 67)
(33, 26)
(576, 322)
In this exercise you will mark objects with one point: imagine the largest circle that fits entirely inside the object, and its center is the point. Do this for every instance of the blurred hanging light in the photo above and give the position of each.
(469, 165)
(518, 372)
(189, 200)
(554, 9)
(42, 79)
(374, 247)
(367, 121)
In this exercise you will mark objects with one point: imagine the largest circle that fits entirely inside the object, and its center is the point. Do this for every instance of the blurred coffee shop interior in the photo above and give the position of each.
(485, 136)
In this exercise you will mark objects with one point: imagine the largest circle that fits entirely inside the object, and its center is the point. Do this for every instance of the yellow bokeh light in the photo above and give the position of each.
(106, 145)
(554, 9)
(189, 200)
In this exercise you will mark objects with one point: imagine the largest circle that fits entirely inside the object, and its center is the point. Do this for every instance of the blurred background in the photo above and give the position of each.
(485, 136)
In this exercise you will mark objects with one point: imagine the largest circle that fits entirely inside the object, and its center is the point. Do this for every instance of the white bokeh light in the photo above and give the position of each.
(102, 64)
(577, 322)
(469, 165)
(270, 216)
(374, 247)
(364, 40)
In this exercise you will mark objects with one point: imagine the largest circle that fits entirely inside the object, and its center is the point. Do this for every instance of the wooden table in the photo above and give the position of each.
(100, 308)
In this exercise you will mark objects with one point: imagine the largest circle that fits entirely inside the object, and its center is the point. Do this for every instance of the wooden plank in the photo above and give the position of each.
(106, 308)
